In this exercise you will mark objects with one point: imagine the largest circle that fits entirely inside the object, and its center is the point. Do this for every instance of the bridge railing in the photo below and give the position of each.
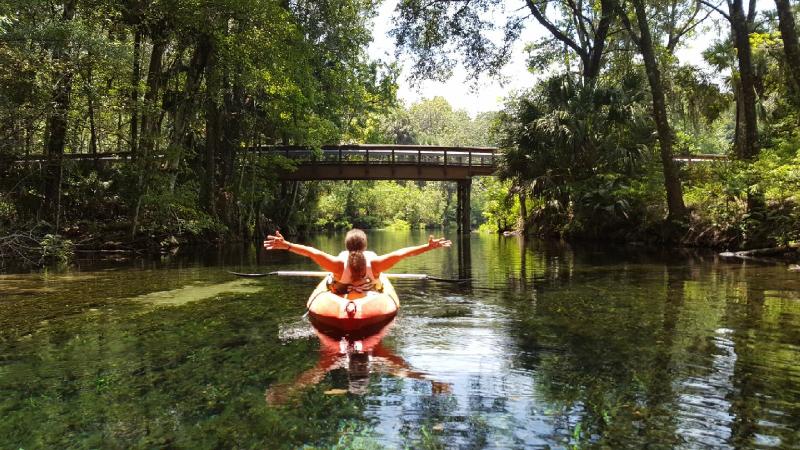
(387, 154)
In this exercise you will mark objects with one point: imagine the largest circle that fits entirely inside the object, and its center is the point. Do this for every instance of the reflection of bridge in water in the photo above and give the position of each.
(391, 162)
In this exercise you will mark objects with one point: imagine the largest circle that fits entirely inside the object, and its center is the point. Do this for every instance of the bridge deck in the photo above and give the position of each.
(386, 162)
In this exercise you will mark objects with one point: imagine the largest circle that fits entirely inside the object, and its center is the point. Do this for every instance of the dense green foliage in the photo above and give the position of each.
(590, 149)
(182, 87)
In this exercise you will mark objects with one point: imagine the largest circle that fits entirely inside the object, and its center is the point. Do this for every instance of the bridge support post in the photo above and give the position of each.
(462, 205)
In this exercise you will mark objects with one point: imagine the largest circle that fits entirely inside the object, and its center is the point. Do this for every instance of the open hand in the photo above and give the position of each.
(440, 242)
(276, 242)
(438, 387)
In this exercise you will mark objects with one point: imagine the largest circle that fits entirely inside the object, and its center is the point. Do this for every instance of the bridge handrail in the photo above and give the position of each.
(386, 154)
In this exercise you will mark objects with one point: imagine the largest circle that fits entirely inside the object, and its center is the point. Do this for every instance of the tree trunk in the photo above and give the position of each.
(739, 128)
(233, 109)
(590, 53)
(226, 142)
(151, 113)
(290, 208)
(594, 60)
(134, 98)
(790, 46)
(212, 113)
(741, 40)
(30, 132)
(672, 183)
(186, 106)
(57, 124)
(92, 124)
(150, 125)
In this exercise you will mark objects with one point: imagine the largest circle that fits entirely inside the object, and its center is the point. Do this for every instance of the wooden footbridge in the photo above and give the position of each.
(392, 162)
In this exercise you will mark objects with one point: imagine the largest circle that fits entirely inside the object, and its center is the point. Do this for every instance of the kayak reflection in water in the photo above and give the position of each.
(360, 357)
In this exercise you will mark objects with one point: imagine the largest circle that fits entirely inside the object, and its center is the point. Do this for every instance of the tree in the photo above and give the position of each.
(57, 121)
(584, 30)
(746, 142)
(562, 139)
(741, 27)
(644, 41)
(791, 47)
(185, 85)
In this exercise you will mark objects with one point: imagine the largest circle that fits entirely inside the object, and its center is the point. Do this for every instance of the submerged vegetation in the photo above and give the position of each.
(545, 345)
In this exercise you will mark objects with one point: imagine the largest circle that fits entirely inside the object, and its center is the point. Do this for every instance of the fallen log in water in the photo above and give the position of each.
(765, 254)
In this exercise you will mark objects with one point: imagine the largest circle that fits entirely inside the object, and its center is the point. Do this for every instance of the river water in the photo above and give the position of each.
(548, 345)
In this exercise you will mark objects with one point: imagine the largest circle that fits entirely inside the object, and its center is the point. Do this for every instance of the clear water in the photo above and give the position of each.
(547, 346)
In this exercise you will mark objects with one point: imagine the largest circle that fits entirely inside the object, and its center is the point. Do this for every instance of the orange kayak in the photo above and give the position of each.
(372, 309)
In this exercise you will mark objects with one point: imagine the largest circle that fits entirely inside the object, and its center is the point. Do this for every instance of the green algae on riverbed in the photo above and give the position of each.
(198, 291)
(177, 376)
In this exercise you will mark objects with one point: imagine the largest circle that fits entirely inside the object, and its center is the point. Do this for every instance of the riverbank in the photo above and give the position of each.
(767, 231)
(30, 249)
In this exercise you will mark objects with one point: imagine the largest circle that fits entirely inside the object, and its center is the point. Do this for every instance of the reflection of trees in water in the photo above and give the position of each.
(522, 264)
(695, 357)
(603, 357)
(160, 377)
(350, 365)
(765, 398)
(746, 407)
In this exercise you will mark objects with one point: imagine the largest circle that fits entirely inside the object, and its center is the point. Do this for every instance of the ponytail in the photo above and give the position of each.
(356, 243)
(357, 264)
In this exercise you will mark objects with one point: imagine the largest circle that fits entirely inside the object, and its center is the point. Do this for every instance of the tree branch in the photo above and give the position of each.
(558, 34)
(671, 46)
(716, 8)
(583, 36)
(596, 54)
(626, 22)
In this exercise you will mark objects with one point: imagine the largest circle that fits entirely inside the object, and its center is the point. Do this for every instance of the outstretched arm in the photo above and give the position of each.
(324, 260)
(385, 262)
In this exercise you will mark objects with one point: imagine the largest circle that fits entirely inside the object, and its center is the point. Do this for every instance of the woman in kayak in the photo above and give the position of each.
(355, 269)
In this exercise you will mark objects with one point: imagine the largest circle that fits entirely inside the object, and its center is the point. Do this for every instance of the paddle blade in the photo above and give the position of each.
(248, 275)
(282, 273)
(299, 273)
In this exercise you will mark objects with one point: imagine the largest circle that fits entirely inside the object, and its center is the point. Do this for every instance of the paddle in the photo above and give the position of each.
(310, 273)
